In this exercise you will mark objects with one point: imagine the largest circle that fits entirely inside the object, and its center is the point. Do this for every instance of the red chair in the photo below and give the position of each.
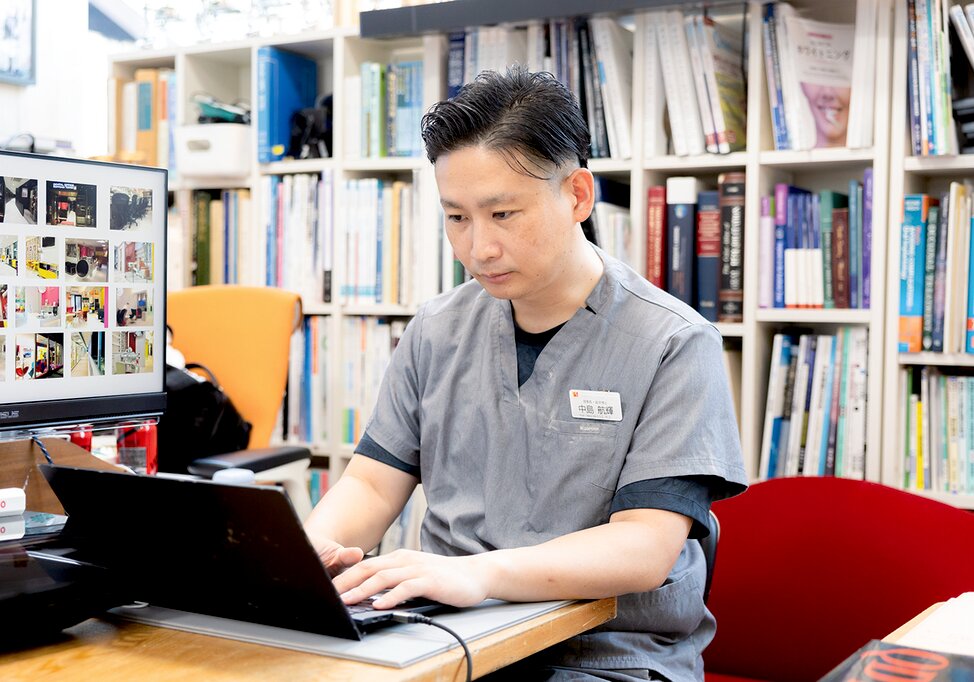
(810, 569)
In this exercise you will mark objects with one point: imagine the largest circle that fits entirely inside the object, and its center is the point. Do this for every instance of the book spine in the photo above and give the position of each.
(656, 263)
(772, 70)
(866, 269)
(855, 241)
(780, 220)
(680, 221)
(708, 265)
(454, 63)
(265, 112)
(929, 274)
(912, 241)
(969, 326)
(732, 189)
(840, 257)
(940, 273)
(913, 81)
(766, 254)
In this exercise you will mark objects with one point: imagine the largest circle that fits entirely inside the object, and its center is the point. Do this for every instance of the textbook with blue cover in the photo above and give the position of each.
(286, 82)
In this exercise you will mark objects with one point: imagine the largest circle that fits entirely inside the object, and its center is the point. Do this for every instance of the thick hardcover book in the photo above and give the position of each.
(855, 241)
(840, 257)
(681, 197)
(828, 202)
(731, 187)
(886, 662)
(708, 263)
(286, 83)
(656, 263)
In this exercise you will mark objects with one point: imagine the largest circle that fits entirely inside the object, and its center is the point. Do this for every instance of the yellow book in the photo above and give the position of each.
(146, 116)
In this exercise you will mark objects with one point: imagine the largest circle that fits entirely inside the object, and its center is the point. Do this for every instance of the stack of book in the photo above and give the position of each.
(367, 344)
(936, 296)
(592, 57)
(815, 248)
(815, 419)
(141, 117)
(380, 244)
(937, 413)
(694, 243)
(695, 67)
(391, 108)
(818, 73)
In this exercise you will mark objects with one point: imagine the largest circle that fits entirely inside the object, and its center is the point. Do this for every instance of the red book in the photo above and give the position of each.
(656, 236)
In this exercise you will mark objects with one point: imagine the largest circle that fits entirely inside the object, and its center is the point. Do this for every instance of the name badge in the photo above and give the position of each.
(604, 405)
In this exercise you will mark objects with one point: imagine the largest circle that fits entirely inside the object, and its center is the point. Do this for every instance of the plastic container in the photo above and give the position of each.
(214, 150)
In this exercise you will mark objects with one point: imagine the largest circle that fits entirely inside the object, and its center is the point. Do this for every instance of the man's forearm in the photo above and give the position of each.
(357, 510)
(624, 556)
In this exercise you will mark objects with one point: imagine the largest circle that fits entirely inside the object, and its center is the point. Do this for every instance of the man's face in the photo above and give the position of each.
(512, 232)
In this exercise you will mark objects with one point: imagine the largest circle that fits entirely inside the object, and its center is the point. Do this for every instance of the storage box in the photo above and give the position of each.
(214, 150)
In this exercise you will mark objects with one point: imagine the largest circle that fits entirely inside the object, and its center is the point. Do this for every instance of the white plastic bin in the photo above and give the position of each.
(213, 150)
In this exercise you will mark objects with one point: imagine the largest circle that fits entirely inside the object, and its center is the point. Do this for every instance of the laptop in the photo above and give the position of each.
(234, 551)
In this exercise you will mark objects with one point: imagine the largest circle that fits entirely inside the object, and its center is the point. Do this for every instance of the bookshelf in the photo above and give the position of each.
(912, 174)
(228, 70)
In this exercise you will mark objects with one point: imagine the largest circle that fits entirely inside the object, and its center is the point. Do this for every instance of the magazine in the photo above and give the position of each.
(885, 662)
(820, 55)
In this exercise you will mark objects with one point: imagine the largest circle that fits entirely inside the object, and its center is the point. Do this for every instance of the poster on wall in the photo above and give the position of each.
(18, 31)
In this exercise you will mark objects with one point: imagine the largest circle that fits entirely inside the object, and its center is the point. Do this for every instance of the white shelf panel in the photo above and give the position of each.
(814, 316)
(961, 500)
(730, 329)
(297, 166)
(392, 163)
(831, 156)
(610, 165)
(940, 359)
(318, 308)
(703, 162)
(179, 183)
(939, 165)
(378, 309)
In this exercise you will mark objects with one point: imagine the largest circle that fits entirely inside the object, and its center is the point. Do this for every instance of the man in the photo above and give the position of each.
(569, 422)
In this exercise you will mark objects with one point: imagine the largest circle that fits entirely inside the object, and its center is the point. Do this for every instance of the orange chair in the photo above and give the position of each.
(243, 335)
(810, 569)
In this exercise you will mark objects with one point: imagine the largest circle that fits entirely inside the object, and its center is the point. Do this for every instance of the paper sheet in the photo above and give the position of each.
(949, 629)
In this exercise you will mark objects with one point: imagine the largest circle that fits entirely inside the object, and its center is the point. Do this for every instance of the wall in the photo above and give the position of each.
(69, 99)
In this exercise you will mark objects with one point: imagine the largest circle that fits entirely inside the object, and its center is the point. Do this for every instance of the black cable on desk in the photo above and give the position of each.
(407, 617)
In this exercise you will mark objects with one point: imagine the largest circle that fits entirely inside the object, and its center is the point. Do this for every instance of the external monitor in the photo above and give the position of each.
(82, 291)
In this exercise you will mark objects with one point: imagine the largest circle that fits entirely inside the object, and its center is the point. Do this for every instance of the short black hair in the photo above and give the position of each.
(531, 118)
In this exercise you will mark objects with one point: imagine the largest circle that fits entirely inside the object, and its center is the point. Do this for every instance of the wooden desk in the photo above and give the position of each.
(898, 634)
(98, 650)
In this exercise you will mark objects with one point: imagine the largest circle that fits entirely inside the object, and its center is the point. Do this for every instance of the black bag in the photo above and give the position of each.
(200, 420)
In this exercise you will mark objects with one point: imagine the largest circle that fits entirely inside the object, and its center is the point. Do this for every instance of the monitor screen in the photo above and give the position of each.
(82, 290)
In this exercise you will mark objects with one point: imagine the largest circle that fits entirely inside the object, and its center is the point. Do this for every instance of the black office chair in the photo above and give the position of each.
(709, 545)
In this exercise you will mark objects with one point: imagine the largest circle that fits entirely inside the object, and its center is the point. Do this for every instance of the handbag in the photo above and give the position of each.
(200, 420)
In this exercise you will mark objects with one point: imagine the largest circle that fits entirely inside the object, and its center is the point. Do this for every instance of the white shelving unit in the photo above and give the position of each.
(227, 71)
(911, 174)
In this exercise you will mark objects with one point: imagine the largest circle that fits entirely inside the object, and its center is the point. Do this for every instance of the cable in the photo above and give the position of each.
(407, 617)
(40, 444)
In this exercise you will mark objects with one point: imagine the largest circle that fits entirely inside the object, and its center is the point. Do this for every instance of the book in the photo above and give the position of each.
(781, 351)
(916, 208)
(766, 254)
(286, 82)
(861, 101)
(147, 115)
(656, 261)
(454, 63)
(654, 98)
(681, 202)
(705, 99)
(772, 71)
(887, 661)
(819, 54)
(731, 188)
(708, 252)
(840, 257)
(721, 54)
(929, 275)
(828, 202)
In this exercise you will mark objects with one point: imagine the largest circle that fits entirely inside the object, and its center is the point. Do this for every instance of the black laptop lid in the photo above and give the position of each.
(194, 545)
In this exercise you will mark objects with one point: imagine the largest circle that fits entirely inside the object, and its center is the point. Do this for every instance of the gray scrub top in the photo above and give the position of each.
(504, 466)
